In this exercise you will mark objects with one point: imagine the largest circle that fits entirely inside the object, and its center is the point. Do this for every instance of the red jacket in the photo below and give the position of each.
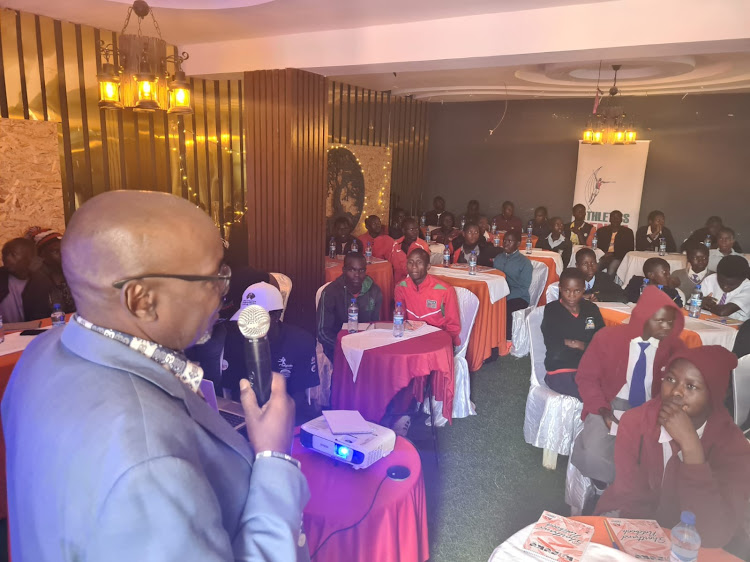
(398, 257)
(603, 368)
(381, 246)
(433, 301)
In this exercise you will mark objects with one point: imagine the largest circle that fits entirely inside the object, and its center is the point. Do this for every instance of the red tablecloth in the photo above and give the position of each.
(385, 370)
(382, 275)
(396, 527)
(552, 276)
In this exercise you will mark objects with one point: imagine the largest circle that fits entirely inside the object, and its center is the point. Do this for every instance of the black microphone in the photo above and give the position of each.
(254, 322)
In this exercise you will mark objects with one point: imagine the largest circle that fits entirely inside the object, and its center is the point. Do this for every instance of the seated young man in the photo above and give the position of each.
(354, 283)
(447, 232)
(599, 287)
(556, 241)
(472, 213)
(727, 292)
(540, 227)
(694, 274)
(518, 271)
(579, 232)
(485, 229)
(381, 242)
(682, 451)
(432, 216)
(657, 271)
(710, 231)
(474, 241)
(568, 326)
(647, 237)
(616, 241)
(342, 234)
(394, 229)
(507, 220)
(725, 247)
(620, 370)
(428, 298)
(403, 246)
(15, 298)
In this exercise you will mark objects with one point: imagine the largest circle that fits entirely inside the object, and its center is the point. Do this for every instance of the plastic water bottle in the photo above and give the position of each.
(332, 248)
(354, 248)
(645, 284)
(398, 320)
(353, 315)
(662, 246)
(463, 223)
(707, 242)
(423, 221)
(368, 252)
(494, 226)
(530, 229)
(594, 243)
(57, 316)
(427, 236)
(696, 302)
(2, 330)
(447, 256)
(473, 263)
(496, 240)
(686, 542)
(528, 245)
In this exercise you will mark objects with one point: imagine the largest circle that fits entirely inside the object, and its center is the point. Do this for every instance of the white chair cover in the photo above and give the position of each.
(741, 387)
(538, 281)
(578, 488)
(553, 292)
(321, 394)
(552, 420)
(520, 335)
(285, 286)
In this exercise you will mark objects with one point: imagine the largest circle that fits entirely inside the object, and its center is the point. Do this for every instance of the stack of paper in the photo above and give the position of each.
(558, 538)
(643, 539)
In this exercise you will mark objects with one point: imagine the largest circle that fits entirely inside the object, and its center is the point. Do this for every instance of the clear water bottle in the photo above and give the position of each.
(645, 284)
(696, 302)
(354, 248)
(398, 320)
(473, 263)
(427, 236)
(494, 226)
(707, 241)
(530, 229)
(496, 240)
(423, 221)
(2, 330)
(353, 316)
(332, 248)
(528, 245)
(447, 256)
(463, 223)
(662, 246)
(594, 243)
(686, 542)
(368, 252)
(57, 316)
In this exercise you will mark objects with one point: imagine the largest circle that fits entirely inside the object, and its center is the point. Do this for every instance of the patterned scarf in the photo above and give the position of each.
(173, 361)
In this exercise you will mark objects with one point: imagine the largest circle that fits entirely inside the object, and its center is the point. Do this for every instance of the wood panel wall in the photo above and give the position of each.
(362, 116)
(287, 130)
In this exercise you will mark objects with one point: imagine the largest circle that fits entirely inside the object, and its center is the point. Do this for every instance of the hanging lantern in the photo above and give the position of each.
(179, 94)
(597, 136)
(109, 88)
(618, 136)
(146, 92)
(630, 136)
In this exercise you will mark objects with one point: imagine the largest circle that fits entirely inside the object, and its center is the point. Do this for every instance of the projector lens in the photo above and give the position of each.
(342, 451)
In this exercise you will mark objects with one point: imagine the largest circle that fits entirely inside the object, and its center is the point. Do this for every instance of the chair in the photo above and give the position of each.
(321, 393)
(520, 335)
(553, 291)
(741, 388)
(552, 420)
(285, 286)
(578, 488)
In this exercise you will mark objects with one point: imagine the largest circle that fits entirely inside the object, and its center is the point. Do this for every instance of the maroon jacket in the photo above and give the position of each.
(603, 368)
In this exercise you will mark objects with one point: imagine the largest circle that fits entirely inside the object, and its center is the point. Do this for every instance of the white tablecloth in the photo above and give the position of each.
(15, 342)
(496, 284)
(559, 266)
(576, 247)
(632, 264)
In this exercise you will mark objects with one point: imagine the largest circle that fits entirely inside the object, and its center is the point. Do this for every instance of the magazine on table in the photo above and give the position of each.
(643, 539)
(559, 538)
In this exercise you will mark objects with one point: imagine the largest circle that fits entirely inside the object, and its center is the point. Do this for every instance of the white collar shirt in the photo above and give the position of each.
(633, 353)
(740, 296)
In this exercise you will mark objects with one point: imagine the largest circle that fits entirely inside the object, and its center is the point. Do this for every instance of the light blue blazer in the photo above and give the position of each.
(111, 458)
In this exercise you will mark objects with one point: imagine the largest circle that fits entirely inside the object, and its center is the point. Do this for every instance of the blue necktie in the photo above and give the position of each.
(638, 380)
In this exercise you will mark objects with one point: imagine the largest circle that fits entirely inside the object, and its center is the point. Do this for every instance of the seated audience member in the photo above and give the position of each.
(657, 271)
(354, 283)
(598, 286)
(697, 269)
(394, 229)
(342, 234)
(568, 326)
(540, 227)
(403, 246)
(724, 247)
(727, 292)
(14, 279)
(579, 232)
(48, 282)
(620, 370)
(473, 241)
(518, 271)
(428, 298)
(742, 341)
(484, 227)
(472, 213)
(556, 241)
(433, 215)
(682, 451)
(292, 348)
(711, 230)
(647, 237)
(615, 241)
(381, 243)
(507, 220)
(447, 232)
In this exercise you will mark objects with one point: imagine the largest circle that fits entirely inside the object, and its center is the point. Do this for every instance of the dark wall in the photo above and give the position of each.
(698, 162)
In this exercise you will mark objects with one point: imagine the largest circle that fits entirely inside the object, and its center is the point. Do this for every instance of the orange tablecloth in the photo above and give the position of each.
(552, 276)
(601, 537)
(615, 317)
(489, 327)
(381, 273)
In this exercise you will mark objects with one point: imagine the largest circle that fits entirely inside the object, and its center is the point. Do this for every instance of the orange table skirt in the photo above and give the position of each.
(601, 537)
(552, 276)
(382, 275)
(615, 318)
(489, 326)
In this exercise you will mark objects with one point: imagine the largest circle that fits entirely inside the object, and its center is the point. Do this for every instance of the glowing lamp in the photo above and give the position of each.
(618, 137)
(179, 94)
(588, 135)
(146, 93)
(109, 88)
(597, 137)
(630, 136)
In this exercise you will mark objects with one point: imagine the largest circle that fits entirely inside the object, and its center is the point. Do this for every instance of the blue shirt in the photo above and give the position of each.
(518, 270)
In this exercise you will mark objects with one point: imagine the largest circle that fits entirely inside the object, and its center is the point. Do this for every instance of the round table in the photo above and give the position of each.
(381, 272)
(394, 529)
(384, 371)
(632, 264)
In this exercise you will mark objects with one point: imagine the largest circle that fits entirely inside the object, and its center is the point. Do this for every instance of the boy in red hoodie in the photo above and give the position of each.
(621, 369)
(682, 451)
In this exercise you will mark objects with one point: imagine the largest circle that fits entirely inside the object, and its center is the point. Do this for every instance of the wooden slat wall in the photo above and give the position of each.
(287, 128)
(362, 116)
(48, 72)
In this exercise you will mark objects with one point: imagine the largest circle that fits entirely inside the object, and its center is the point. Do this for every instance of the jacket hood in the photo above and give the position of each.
(651, 301)
(715, 364)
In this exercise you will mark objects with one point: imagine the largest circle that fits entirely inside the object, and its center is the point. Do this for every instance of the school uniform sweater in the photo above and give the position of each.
(433, 301)
(633, 290)
(564, 248)
(518, 272)
(559, 324)
(605, 289)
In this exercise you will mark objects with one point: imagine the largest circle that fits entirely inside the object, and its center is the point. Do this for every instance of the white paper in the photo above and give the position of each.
(15, 342)
(346, 421)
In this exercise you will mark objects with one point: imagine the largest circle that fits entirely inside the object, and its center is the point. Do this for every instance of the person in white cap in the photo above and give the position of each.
(292, 348)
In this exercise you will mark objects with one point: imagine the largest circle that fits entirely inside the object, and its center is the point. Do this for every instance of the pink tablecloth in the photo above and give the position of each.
(384, 371)
(396, 527)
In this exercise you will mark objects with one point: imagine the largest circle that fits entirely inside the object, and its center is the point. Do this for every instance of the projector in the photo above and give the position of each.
(359, 450)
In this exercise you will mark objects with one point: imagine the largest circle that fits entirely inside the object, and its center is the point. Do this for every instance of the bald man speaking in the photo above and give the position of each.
(112, 453)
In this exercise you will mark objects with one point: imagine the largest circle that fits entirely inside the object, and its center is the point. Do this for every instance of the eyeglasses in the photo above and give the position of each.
(221, 279)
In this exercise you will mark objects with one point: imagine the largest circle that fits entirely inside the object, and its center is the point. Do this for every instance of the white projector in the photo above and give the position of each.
(359, 450)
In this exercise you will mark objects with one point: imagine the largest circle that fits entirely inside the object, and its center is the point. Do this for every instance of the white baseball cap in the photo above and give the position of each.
(262, 294)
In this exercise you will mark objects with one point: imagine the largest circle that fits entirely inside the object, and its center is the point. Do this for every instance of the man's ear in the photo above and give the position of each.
(140, 300)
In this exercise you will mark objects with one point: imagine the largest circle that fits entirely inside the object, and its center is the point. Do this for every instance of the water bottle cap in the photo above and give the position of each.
(354, 300)
(687, 517)
(398, 303)
(660, 286)
(645, 281)
(56, 306)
